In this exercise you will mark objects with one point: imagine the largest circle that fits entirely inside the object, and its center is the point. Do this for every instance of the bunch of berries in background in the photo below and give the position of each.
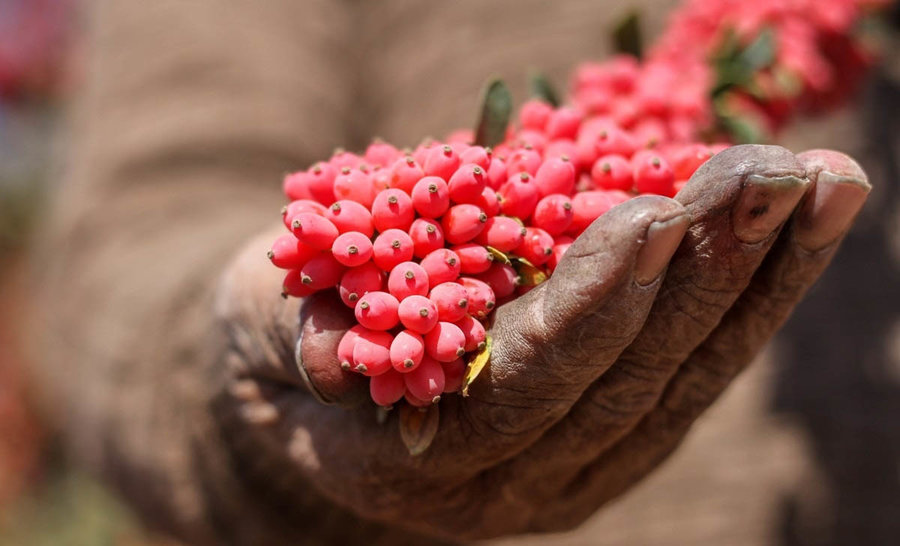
(732, 67)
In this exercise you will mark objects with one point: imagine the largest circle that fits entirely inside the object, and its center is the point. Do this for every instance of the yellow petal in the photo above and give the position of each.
(478, 362)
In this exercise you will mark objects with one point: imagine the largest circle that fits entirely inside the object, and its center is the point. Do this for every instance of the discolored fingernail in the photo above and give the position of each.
(663, 238)
(764, 204)
(829, 209)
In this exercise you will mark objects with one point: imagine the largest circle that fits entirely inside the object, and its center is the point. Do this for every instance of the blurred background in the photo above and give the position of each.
(816, 419)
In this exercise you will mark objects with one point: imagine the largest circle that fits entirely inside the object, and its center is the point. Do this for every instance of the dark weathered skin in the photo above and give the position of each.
(595, 376)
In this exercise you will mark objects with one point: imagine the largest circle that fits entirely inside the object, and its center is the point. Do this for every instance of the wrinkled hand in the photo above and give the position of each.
(596, 375)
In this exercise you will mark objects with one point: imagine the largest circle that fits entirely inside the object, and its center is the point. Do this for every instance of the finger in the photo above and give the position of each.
(553, 342)
(839, 190)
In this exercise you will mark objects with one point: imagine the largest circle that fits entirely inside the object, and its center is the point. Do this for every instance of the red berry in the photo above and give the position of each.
(559, 250)
(321, 271)
(473, 258)
(523, 160)
(467, 183)
(345, 347)
(613, 140)
(352, 249)
(453, 374)
(612, 172)
(555, 175)
(481, 296)
(501, 278)
(381, 153)
(535, 114)
(518, 196)
(497, 173)
(377, 311)
(354, 185)
(392, 209)
(441, 161)
(351, 216)
(462, 223)
(477, 155)
(372, 353)
(445, 342)
(553, 213)
(431, 197)
(502, 233)
(560, 148)
(408, 279)
(407, 351)
(563, 123)
(687, 160)
(417, 403)
(404, 174)
(488, 202)
(387, 389)
(289, 253)
(427, 236)
(474, 332)
(296, 207)
(342, 158)
(442, 265)
(451, 301)
(537, 246)
(587, 206)
(652, 174)
(358, 281)
(293, 285)
(418, 313)
(427, 381)
(392, 247)
(313, 230)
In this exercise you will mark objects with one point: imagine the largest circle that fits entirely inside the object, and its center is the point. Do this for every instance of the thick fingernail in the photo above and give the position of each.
(304, 375)
(765, 203)
(663, 238)
(829, 210)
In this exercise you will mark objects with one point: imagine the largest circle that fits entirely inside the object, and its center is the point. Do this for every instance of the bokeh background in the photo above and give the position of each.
(811, 431)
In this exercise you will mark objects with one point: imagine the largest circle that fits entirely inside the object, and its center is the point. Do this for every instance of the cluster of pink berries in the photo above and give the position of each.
(814, 59)
(423, 244)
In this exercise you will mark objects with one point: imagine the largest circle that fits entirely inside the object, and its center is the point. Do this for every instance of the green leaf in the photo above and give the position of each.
(496, 108)
(627, 35)
(542, 88)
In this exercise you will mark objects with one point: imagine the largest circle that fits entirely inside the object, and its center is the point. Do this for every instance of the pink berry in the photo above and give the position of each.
(387, 389)
(519, 196)
(359, 281)
(488, 202)
(442, 265)
(321, 272)
(342, 158)
(473, 258)
(354, 185)
(417, 403)
(523, 160)
(392, 247)
(537, 246)
(372, 353)
(467, 183)
(427, 381)
(614, 140)
(300, 205)
(480, 295)
(462, 223)
(381, 153)
(352, 249)
(502, 279)
(535, 114)
(453, 374)
(688, 159)
(377, 311)
(351, 216)
(451, 301)
(289, 253)
(345, 347)
(392, 209)
(427, 236)
(431, 197)
(559, 250)
(553, 213)
(418, 314)
(612, 172)
(441, 161)
(587, 206)
(445, 342)
(407, 351)
(555, 175)
(293, 285)
(404, 174)
(652, 174)
(474, 332)
(497, 173)
(502, 233)
(563, 123)
(313, 230)
(408, 279)
(562, 147)
(477, 155)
